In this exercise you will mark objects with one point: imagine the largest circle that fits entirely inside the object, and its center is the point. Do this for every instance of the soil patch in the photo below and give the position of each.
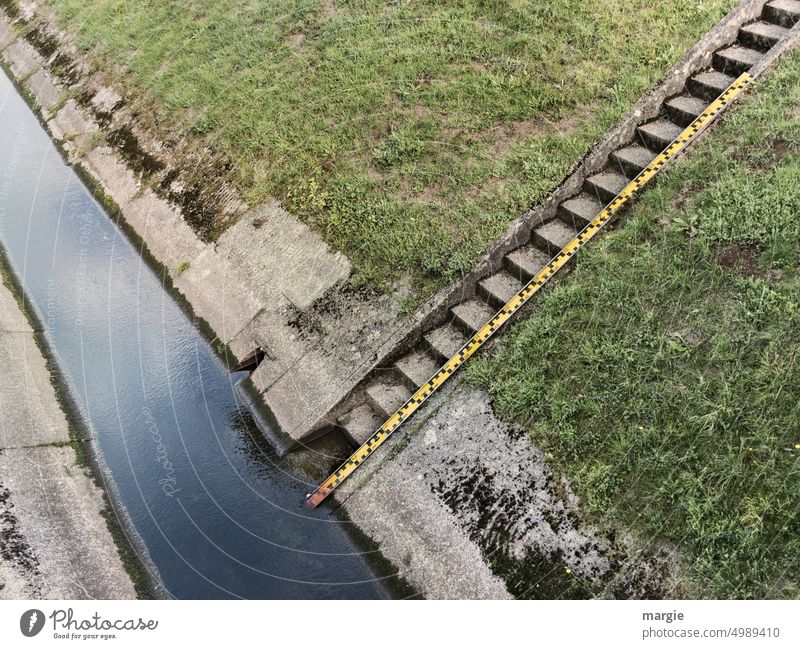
(741, 258)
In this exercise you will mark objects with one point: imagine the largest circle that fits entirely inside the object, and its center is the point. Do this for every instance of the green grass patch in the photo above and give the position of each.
(408, 134)
(182, 267)
(664, 375)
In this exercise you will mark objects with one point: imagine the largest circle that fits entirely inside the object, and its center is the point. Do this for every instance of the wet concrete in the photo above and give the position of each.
(54, 541)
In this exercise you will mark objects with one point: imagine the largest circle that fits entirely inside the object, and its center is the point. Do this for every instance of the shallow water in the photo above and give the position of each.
(219, 514)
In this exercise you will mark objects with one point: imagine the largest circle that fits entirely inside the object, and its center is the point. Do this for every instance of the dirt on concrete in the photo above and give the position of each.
(54, 540)
(467, 507)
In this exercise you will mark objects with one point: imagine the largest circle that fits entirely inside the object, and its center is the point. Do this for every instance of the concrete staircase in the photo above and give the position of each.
(382, 393)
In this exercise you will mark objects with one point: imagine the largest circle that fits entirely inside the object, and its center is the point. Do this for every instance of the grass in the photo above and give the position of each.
(407, 134)
(182, 267)
(663, 376)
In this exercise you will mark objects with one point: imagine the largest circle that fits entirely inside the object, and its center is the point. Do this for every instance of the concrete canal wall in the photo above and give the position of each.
(54, 539)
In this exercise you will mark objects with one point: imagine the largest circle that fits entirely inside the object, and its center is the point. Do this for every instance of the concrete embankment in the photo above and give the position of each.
(54, 539)
(269, 281)
(466, 507)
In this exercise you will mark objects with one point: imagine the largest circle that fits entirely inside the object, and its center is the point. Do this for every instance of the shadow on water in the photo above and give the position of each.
(220, 513)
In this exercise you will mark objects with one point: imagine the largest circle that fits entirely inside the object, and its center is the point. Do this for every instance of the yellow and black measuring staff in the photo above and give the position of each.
(531, 288)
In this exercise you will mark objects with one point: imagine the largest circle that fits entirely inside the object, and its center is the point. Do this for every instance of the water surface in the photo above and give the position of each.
(219, 514)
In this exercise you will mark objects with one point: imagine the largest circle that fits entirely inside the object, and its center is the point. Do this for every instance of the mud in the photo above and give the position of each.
(742, 259)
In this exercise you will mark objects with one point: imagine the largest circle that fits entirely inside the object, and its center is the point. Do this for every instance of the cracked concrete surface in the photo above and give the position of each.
(54, 542)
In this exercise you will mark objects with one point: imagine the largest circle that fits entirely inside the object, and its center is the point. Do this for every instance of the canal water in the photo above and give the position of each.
(220, 515)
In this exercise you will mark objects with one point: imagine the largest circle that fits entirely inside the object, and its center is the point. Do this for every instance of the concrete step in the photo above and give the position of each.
(360, 423)
(387, 396)
(782, 12)
(417, 367)
(605, 185)
(709, 85)
(658, 134)
(551, 237)
(685, 109)
(445, 341)
(632, 160)
(736, 59)
(761, 35)
(472, 315)
(499, 288)
(526, 262)
(579, 211)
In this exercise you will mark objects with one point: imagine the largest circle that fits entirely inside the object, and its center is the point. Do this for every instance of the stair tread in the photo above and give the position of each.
(715, 78)
(709, 84)
(662, 127)
(782, 12)
(790, 6)
(360, 423)
(446, 340)
(636, 153)
(611, 182)
(556, 233)
(584, 206)
(502, 286)
(417, 367)
(527, 261)
(688, 104)
(634, 157)
(472, 314)
(660, 131)
(387, 397)
(765, 30)
(739, 53)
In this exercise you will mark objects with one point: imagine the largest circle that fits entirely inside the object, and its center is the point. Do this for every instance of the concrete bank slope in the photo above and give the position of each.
(467, 507)
(268, 282)
(54, 541)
